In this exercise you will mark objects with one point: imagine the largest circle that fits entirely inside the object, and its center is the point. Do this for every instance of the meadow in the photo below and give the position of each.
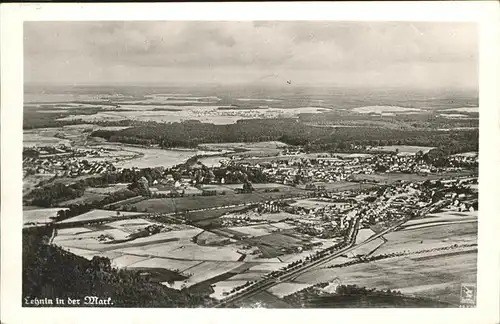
(383, 109)
(391, 177)
(186, 204)
(429, 237)
(438, 277)
(41, 215)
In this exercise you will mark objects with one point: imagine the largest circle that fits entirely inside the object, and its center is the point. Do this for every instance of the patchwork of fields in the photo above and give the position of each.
(183, 204)
(435, 274)
(179, 254)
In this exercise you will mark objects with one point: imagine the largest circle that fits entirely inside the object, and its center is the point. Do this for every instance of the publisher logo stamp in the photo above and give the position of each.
(468, 294)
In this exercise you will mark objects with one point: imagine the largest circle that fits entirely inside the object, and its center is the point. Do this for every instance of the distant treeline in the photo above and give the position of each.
(291, 131)
(422, 120)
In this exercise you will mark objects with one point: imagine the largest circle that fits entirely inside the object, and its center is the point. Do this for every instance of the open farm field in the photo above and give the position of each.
(280, 186)
(32, 181)
(35, 140)
(230, 188)
(368, 248)
(430, 237)
(126, 260)
(289, 258)
(171, 205)
(104, 190)
(262, 146)
(164, 263)
(204, 202)
(287, 288)
(254, 230)
(205, 217)
(67, 134)
(222, 287)
(161, 275)
(99, 214)
(268, 266)
(464, 109)
(438, 277)
(69, 181)
(363, 235)
(136, 224)
(441, 218)
(73, 231)
(271, 244)
(210, 239)
(207, 253)
(316, 203)
(158, 245)
(256, 186)
(154, 157)
(283, 226)
(249, 275)
(41, 215)
(88, 197)
(254, 160)
(205, 271)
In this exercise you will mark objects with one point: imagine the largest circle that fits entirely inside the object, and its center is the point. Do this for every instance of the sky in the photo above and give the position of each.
(322, 53)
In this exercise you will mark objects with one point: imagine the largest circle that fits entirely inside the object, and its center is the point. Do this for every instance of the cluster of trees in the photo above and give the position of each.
(139, 181)
(141, 187)
(29, 152)
(129, 175)
(348, 237)
(49, 196)
(172, 194)
(52, 194)
(355, 290)
(230, 174)
(47, 121)
(49, 271)
(290, 131)
(355, 296)
(209, 193)
(73, 211)
(78, 209)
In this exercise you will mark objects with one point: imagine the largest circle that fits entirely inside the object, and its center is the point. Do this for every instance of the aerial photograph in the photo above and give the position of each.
(250, 164)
